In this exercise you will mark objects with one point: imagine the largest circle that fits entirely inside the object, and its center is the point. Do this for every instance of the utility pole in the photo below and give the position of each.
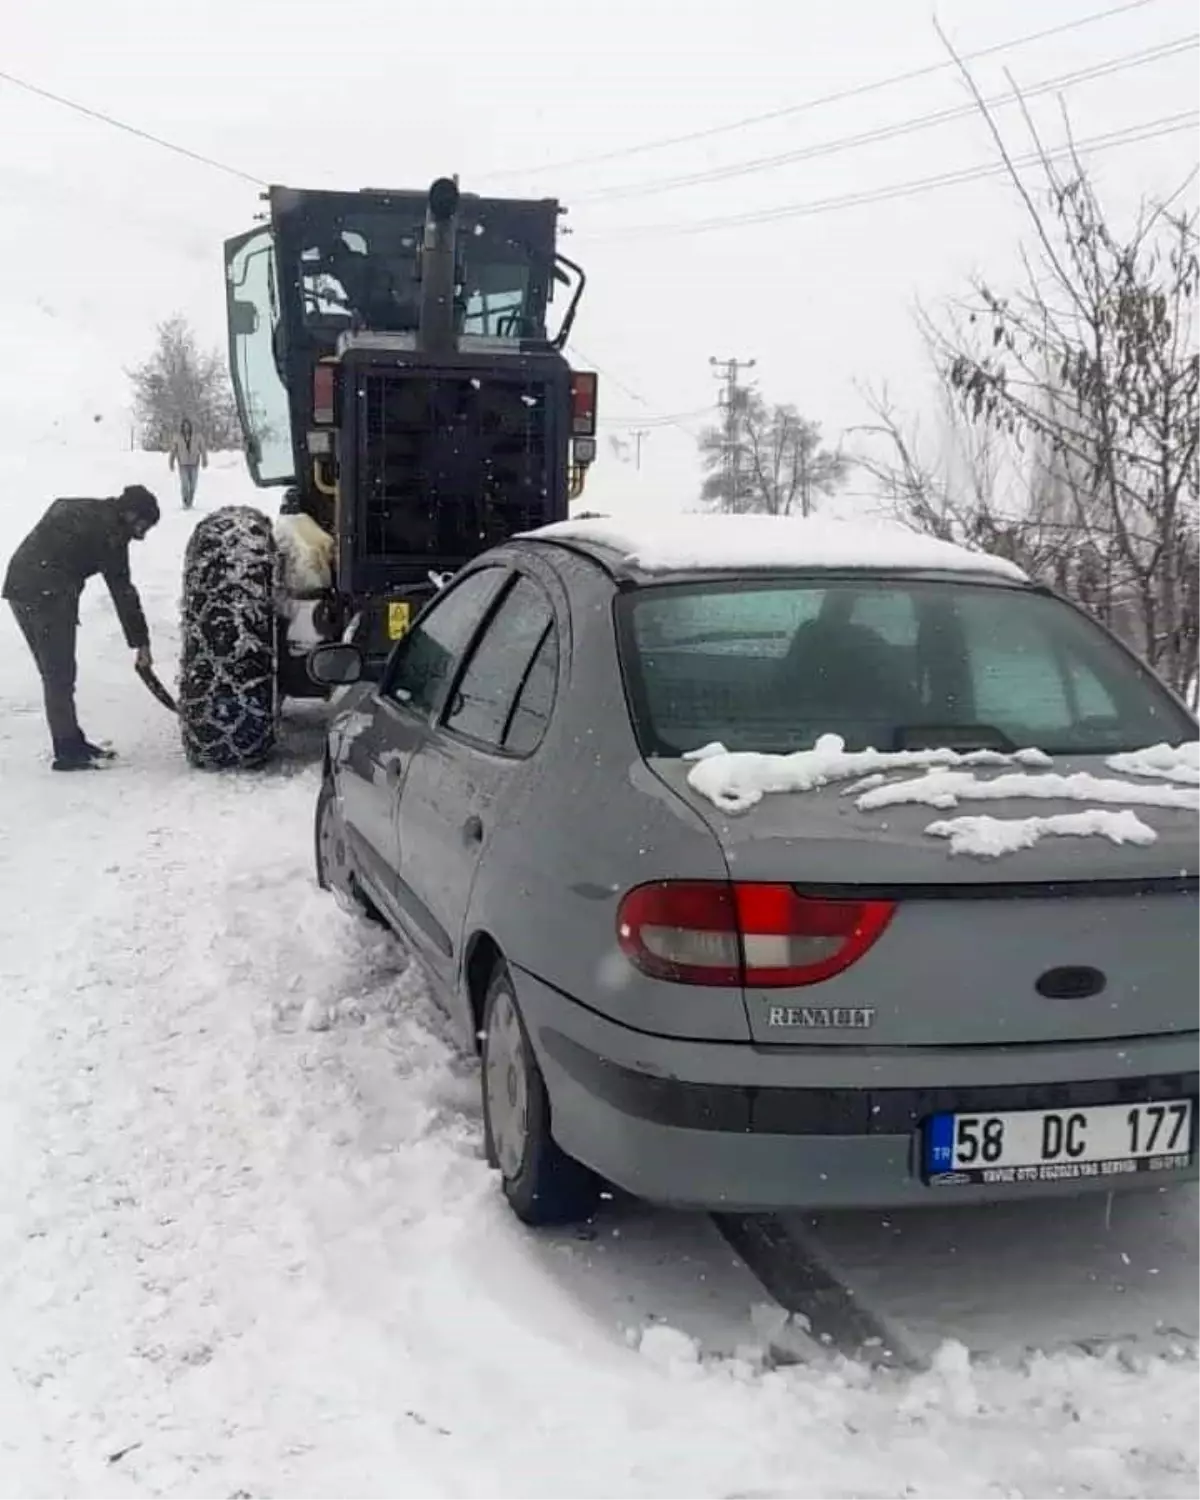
(638, 434)
(728, 372)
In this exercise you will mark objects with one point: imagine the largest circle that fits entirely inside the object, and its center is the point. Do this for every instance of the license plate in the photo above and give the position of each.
(398, 615)
(1054, 1145)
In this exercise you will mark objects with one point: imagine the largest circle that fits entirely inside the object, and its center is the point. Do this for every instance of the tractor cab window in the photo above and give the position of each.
(253, 310)
(358, 268)
(496, 300)
(360, 275)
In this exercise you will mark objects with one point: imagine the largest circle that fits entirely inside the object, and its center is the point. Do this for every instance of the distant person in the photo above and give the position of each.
(72, 541)
(188, 453)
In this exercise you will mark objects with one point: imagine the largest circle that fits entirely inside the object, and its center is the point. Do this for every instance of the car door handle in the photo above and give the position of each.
(473, 830)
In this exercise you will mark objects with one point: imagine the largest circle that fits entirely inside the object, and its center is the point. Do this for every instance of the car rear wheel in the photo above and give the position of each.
(335, 870)
(542, 1183)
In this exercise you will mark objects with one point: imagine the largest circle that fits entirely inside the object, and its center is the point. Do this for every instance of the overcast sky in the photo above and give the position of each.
(101, 234)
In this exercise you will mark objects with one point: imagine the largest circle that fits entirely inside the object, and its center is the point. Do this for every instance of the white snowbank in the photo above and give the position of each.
(664, 544)
(988, 838)
(735, 780)
(1171, 762)
(949, 788)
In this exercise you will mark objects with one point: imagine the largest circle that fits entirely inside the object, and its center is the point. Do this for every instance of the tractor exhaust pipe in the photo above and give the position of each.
(435, 329)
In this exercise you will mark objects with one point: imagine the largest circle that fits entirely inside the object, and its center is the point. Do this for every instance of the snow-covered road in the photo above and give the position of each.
(248, 1243)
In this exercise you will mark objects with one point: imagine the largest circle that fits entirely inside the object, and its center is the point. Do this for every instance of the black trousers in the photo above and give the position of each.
(49, 626)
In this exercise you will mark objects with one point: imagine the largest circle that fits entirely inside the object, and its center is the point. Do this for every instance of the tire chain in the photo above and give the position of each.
(228, 691)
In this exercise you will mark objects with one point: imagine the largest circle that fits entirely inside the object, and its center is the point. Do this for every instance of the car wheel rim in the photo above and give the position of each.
(507, 1086)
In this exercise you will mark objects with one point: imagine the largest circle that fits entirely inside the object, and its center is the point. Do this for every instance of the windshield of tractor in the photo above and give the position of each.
(355, 259)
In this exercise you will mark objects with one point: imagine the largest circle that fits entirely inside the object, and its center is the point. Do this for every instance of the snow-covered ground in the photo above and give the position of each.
(248, 1244)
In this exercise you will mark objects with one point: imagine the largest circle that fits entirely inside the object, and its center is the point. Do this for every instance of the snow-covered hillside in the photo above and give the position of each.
(248, 1244)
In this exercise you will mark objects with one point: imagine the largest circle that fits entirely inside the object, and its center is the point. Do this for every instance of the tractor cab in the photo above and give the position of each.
(334, 280)
(397, 362)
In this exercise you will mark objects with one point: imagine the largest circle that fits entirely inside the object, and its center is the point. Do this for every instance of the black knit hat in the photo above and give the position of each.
(139, 504)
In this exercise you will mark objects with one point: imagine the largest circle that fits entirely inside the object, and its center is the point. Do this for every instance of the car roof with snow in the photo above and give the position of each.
(645, 548)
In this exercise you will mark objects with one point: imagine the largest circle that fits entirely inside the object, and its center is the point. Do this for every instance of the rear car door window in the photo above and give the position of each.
(487, 693)
(421, 671)
(531, 713)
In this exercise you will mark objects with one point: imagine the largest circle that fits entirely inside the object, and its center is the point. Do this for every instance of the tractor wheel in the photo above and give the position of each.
(228, 695)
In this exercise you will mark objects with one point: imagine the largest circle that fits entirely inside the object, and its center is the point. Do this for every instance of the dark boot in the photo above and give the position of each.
(73, 758)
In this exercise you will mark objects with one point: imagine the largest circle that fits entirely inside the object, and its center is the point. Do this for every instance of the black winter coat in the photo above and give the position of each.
(74, 540)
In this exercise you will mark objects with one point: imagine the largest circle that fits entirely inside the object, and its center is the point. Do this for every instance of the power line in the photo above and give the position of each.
(855, 92)
(890, 132)
(144, 135)
(208, 161)
(1151, 130)
(668, 420)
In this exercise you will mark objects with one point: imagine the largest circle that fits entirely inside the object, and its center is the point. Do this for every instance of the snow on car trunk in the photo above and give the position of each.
(1078, 870)
(875, 818)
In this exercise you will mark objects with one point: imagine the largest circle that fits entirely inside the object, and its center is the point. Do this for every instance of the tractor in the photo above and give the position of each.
(395, 374)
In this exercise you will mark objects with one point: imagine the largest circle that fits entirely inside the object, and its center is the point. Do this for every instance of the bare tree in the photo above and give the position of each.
(1087, 378)
(182, 380)
(972, 486)
(768, 459)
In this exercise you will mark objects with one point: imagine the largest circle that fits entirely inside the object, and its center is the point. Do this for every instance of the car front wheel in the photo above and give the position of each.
(542, 1183)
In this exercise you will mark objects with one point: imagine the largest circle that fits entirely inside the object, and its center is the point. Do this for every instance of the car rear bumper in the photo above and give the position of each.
(739, 1128)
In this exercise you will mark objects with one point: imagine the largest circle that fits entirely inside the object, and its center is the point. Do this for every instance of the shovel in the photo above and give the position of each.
(150, 678)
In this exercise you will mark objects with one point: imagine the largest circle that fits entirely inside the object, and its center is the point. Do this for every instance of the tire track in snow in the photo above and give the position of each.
(806, 1287)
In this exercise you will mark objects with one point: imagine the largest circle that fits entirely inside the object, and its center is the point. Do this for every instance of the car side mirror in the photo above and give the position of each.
(335, 664)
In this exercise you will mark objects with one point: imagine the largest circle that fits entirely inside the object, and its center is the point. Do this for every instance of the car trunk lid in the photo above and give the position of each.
(1074, 937)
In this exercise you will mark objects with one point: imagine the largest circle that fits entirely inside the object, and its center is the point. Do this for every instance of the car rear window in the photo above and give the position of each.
(884, 663)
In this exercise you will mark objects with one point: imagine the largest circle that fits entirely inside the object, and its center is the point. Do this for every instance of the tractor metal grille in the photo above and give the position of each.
(450, 464)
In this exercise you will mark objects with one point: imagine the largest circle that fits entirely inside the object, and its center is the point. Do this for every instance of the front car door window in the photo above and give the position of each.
(420, 673)
(486, 700)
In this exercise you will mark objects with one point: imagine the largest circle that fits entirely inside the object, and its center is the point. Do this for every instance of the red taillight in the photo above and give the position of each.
(323, 393)
(583, 403)
(766, 936)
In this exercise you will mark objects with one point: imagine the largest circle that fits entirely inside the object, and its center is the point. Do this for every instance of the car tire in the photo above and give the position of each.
(228, 692)
(335, 869)
(542, 1183)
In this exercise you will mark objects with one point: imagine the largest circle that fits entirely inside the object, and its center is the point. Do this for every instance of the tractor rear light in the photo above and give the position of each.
(744, 933)
(583, 403)
(323, 393)
(584, 450)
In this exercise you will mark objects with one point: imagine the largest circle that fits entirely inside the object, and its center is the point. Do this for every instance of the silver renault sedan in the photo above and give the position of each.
(775, 864)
